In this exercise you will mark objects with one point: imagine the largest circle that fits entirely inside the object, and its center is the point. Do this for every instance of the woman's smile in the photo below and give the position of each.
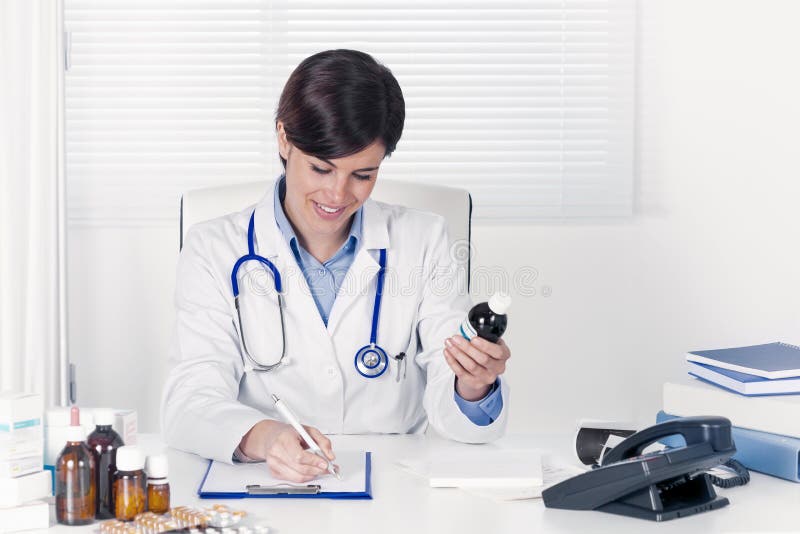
(327, 212)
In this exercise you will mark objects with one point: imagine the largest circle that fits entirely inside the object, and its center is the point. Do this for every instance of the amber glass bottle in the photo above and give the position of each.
(130, 484)
(104, 443)
(157, 484)
(75, 479)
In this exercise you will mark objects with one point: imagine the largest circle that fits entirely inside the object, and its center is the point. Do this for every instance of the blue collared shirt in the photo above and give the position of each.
(325, 279)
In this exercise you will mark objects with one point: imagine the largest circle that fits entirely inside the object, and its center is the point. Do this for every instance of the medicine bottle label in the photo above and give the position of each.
(467, 330)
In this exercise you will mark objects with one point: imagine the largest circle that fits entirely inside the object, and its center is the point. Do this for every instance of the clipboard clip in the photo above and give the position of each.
(283, 489)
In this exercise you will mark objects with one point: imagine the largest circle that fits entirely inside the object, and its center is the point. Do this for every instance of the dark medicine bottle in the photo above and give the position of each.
(487, 319)
(104, 443)
(75, 478)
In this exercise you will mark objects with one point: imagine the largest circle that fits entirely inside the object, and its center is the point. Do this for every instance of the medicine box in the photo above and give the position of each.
(21, 466)
(19, 490)
(32, 433)
(29, 516)
(19, 411)
(126, 424)
(15, 450)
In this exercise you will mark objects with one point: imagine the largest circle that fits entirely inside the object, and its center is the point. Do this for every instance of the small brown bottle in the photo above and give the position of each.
(157, 484)
(75, 478)
(129, 493)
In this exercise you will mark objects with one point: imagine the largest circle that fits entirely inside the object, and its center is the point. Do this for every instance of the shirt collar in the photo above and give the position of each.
(356, 228)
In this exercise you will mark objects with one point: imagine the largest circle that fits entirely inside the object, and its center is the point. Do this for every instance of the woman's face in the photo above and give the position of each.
(322, 195)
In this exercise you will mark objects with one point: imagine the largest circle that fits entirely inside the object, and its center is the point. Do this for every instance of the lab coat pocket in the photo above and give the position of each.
(396, 396)
(400, 362)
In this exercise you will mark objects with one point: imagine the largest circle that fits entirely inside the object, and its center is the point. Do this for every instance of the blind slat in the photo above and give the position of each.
(168, 95)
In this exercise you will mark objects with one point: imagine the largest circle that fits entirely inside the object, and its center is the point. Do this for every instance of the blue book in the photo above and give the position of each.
(771, 454)
(772, 360)
(743, 383)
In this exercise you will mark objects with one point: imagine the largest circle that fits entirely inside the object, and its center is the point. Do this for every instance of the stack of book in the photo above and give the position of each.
(756, 388)
(23, 482)
(770, 369)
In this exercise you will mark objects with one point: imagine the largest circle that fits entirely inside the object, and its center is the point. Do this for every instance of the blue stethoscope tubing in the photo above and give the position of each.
(276, 277)
(371, 360)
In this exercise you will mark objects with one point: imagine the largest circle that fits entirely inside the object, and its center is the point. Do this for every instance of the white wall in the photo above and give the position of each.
(709, 259)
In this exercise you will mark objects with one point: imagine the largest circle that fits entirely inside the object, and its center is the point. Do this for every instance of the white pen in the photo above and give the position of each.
(291, 418)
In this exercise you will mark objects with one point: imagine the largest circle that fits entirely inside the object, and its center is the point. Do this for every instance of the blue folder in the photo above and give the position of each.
(292, 491)
(771, 454)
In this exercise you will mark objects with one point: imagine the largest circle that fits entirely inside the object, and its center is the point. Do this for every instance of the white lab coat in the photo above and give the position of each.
(211, 399)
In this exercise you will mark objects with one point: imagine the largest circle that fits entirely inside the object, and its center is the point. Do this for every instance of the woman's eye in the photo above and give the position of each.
(362, 176)
(320, 171)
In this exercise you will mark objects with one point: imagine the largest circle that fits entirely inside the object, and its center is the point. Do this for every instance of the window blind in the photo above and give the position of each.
(528, 104)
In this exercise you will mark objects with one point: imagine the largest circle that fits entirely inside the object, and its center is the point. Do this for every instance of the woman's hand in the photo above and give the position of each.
(476, 363)
(285, 451)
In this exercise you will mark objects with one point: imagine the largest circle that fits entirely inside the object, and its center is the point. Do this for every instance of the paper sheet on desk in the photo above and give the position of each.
(518, 480)
(226, 478)
(553, 471)
(494, 468)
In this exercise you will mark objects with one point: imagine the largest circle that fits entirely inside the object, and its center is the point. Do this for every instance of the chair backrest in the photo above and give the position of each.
(455, 205)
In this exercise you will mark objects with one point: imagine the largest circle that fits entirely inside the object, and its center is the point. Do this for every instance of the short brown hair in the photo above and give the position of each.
(338, 102)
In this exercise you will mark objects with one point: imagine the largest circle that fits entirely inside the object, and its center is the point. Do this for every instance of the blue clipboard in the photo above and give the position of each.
(288, 490)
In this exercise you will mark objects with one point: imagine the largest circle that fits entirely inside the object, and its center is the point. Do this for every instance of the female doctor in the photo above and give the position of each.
(347, 309)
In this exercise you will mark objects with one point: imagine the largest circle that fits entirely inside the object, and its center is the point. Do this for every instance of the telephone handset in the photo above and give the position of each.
(657, 486)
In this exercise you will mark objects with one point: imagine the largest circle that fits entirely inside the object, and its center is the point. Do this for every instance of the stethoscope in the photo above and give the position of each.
(371, 360)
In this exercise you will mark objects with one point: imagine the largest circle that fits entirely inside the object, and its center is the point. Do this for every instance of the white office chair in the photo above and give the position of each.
(455, 205)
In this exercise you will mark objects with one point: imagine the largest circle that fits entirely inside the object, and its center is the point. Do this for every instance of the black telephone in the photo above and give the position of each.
(657, 486)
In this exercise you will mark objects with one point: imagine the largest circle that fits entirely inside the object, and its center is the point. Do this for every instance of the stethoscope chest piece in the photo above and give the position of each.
(371, 361)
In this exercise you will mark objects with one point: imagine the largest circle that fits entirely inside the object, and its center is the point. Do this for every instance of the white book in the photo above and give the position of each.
(777, 414)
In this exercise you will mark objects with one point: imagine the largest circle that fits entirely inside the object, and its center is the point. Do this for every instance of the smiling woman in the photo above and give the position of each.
(340, 114)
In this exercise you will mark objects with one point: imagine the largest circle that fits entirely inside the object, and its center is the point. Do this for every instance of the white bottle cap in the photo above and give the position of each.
(104, 417)
(75, 433)
(130, 458)
(157, 466)
(499, 303)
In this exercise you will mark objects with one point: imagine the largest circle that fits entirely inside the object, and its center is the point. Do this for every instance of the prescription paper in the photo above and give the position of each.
(514, 477)
(554, 471)
(498, 468)
(226, 478)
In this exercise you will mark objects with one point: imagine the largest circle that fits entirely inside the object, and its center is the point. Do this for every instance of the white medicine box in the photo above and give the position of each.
(18, 412)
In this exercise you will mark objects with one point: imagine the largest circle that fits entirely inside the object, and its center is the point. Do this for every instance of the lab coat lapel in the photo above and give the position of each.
(268, 235)
(358, 282)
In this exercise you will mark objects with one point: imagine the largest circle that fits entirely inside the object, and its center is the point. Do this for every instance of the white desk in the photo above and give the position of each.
(404, 504)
